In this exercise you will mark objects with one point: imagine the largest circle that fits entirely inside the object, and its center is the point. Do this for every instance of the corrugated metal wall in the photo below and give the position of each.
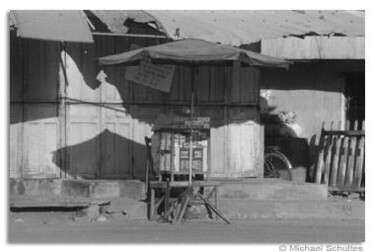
(35, 126)
(98, 129)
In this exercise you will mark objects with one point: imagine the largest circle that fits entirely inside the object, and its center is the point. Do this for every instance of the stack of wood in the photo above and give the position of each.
(340, 163)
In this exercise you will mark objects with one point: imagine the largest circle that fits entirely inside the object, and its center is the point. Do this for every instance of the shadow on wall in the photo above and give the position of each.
(107, 155)
(84, 57)
(282, 131)
(278, 124)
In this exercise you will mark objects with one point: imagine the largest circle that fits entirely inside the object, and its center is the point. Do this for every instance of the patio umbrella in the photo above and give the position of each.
(193, 52)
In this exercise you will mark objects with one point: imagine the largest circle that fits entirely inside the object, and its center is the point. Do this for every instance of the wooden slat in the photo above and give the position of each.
(355, 125)
(358, 172)
(327, 161)
(320, 165)
(342, 163)
(344, 132)
(350, 162)
(335, 160)
(320, 161)
(347, 125)
(346, 189)
(163, 184)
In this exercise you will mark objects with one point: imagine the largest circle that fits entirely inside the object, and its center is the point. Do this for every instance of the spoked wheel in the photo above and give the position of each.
(277, 165)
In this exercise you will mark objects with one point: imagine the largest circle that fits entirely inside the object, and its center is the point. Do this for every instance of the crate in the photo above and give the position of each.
(175, 152)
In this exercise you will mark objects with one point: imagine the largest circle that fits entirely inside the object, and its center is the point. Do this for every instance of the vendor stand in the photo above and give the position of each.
(193, 53)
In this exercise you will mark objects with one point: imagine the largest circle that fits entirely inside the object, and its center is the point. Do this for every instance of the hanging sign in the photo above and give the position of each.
(154, 76)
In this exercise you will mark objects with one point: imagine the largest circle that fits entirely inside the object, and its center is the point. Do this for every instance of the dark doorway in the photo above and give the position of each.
(355, 97)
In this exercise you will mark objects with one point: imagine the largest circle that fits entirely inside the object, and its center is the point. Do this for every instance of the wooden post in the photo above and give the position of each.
(347, 125)
(335, 160)
(343, 163)
(319, 167)
(63, 81)
(167, 196)
(216, 200)
(182, 209)
(358, 173)
(320, 161)
(152, 204)
(351, 158)
(191, 127)
(327, 162)
(172, 157)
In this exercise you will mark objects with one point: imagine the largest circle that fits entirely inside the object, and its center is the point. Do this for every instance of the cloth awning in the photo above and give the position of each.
(56, 25)
(193, 52)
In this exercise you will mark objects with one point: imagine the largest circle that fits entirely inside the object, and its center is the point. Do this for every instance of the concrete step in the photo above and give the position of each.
(271, 189)
(95, 189)
(292, 209)
(27, 201)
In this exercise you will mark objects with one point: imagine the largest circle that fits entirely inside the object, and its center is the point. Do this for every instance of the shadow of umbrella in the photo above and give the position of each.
(106, 156)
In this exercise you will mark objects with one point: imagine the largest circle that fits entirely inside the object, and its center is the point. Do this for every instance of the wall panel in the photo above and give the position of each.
(243, 142)
(40, 141)
(143, 119)
(116, 144)
(15, 141)
(218, 158)
(16, 68)
(40, 70)
(104, 121)
(83, 141)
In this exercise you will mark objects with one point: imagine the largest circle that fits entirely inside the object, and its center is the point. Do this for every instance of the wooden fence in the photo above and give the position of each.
(341, 158)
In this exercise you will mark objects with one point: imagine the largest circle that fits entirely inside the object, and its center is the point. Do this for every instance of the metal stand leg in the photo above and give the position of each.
(185, 202)
(213, 208)
(216, 200)
(166, 200)
(152, 204)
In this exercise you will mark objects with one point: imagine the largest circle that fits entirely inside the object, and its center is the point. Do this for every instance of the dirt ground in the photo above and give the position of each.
(63, 227)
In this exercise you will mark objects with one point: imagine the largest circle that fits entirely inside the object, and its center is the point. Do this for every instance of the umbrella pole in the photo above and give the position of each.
(191, 127)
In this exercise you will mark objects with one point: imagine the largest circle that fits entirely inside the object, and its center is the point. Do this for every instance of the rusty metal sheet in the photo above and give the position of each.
(57, 25)
(238, 27)
(314, 47)
(114, 20)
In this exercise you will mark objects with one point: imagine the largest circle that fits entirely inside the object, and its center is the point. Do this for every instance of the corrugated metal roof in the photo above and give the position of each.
(237, 27)
(115, 19)
(56, 25)
(240, 27)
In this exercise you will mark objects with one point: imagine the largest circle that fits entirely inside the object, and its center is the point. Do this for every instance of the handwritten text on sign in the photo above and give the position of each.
(154, 76)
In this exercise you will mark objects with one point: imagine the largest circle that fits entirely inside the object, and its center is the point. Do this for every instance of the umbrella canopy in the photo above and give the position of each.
(56, 25)
(193, 52)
